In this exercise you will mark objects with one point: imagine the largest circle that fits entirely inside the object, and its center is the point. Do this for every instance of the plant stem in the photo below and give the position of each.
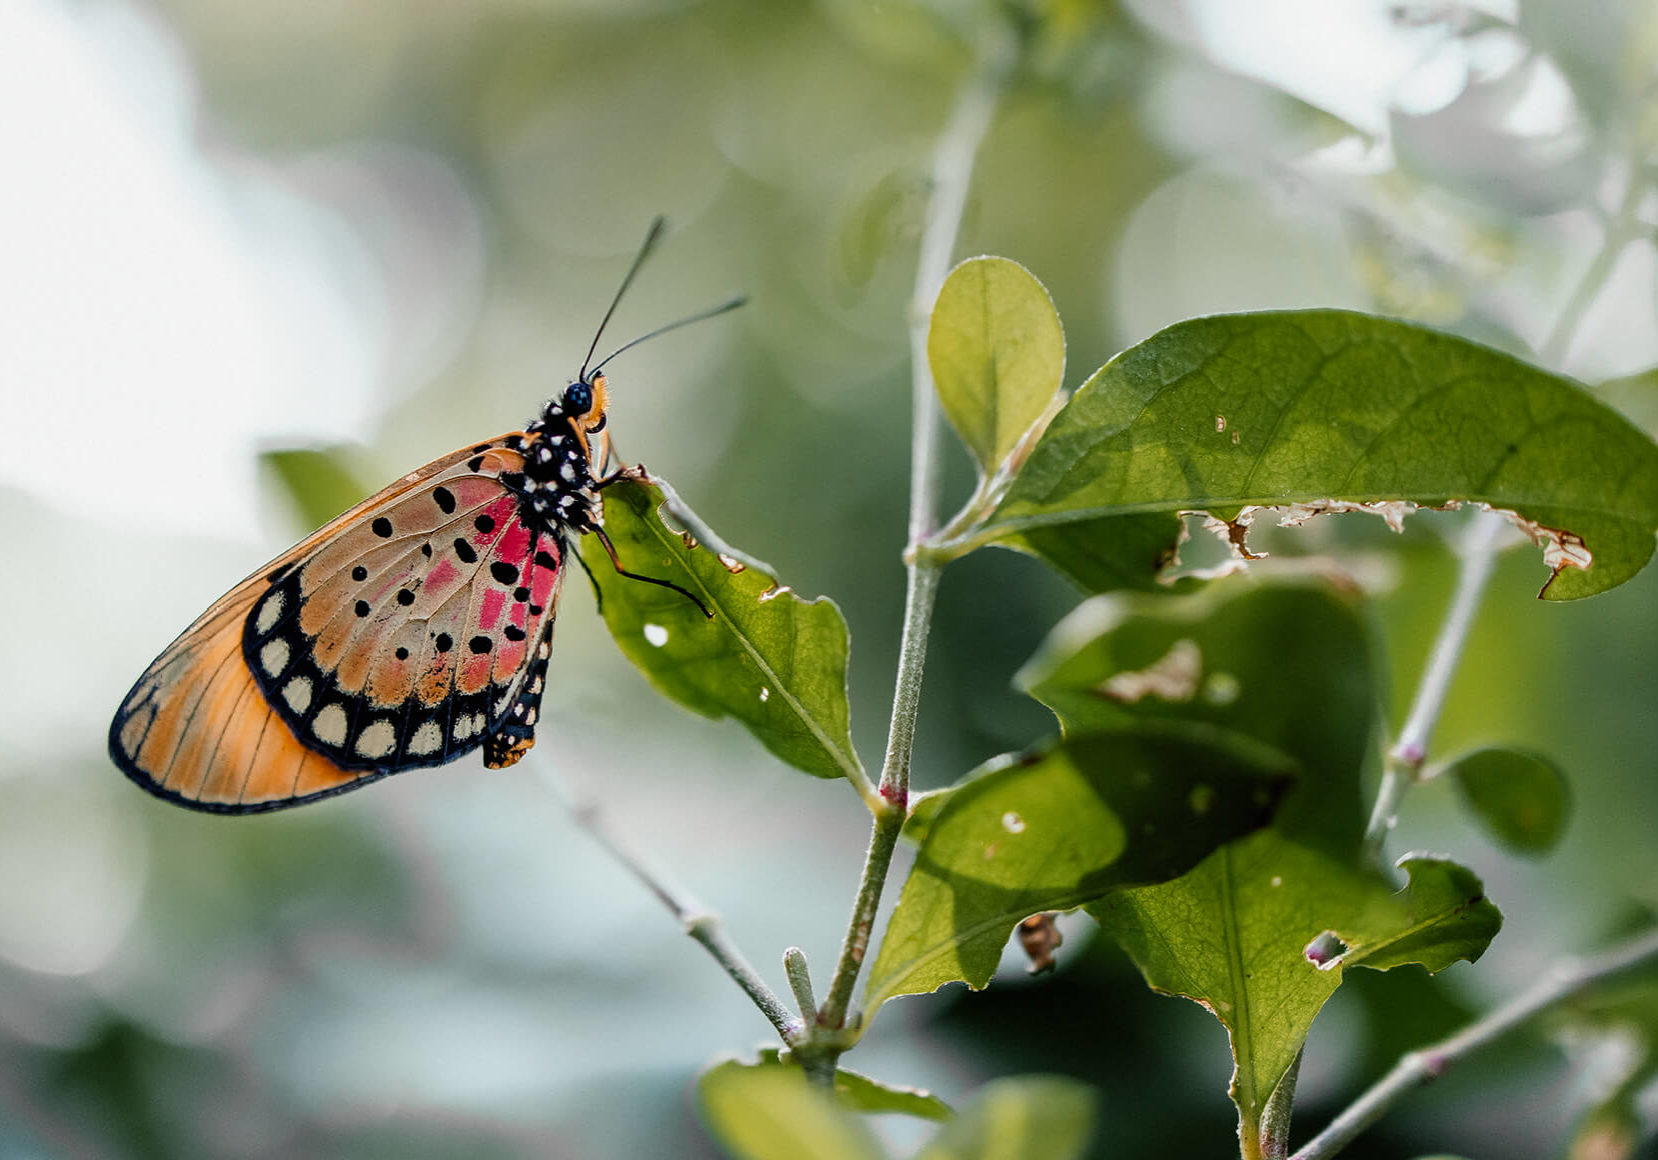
(701, 924)
(1563, 981)
(1410, 749)
(1275, 1117)
(952, 176)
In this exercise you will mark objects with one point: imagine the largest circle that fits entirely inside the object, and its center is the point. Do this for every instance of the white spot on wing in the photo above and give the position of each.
(426, 739)
(270, 612)
(297, 693)
(330, 725)
(656, 634)
(377, 740)
(274, 656)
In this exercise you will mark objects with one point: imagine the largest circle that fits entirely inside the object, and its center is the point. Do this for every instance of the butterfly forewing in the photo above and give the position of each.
(404, 633)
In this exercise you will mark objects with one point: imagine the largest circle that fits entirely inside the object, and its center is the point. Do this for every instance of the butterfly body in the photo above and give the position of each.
(409, 631)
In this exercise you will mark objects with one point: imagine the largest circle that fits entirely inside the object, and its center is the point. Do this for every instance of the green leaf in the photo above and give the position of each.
(1441, 916)
(1057, 828)
(321, 481)
(860, 1093)
(1029, 1117)
(997, 354)
(1329, 408)
(1520, 797)
(1107, 554)
(771, 660)
(767, 1111)
(1239, 935)
(1286, 664)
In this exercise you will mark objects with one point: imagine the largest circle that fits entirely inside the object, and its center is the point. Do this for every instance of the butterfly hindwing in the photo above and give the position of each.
(404, 633)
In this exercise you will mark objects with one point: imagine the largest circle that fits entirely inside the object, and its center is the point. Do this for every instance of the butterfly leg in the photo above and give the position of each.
(514, 735)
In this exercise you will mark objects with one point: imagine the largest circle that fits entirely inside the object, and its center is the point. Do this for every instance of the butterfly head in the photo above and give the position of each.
(580, 409)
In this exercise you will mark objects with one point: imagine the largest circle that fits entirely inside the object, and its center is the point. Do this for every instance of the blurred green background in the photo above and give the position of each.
(394, 224)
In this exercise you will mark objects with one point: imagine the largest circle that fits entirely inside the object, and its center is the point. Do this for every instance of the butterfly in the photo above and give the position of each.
(407, 632)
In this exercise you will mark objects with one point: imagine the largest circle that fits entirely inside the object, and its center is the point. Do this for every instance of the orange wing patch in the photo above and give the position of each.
(197, 731)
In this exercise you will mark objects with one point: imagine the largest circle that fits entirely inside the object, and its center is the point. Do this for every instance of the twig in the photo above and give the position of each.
(1405, 759)
(952, 176)
(701, 924)
(1410, 749)
(1561, 982)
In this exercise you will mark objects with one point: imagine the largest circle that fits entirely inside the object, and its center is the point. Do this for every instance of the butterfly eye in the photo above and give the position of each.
(578, 397)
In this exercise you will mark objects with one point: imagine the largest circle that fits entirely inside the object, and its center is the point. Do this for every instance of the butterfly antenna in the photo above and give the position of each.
(621, 571)
(701, 316)
(652, 236)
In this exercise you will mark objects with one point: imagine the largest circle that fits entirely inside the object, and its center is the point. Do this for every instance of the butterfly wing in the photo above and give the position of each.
(407, 632)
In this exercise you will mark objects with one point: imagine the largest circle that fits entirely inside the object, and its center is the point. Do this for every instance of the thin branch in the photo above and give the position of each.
(1563, 981)
(1410, 750)
(701, 924)
(1405, 759)
(952, 177)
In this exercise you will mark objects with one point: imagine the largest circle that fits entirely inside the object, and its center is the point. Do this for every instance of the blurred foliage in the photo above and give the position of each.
(444, 967)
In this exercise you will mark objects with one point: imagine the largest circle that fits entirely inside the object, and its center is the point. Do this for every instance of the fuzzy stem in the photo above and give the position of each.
(952, 176)
(1563, 981)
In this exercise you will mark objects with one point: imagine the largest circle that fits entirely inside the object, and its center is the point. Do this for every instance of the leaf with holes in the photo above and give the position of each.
(1289, 665)
(773, 661)
(1245, 935)
(1059, 827)
(1325, 411)
(997, 355)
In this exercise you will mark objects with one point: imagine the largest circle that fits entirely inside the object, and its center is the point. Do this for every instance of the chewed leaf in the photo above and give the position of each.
(1260, 932)
(767, 1111)
(768, 658)
(1440, 917)
(1521, 798)
(1324, 411)
(1058, 828)
(997, 354)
